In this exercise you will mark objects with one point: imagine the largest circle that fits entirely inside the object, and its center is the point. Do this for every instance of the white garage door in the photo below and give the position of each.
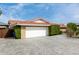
(36, 31)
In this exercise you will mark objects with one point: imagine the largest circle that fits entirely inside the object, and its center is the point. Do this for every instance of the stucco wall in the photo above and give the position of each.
(63, 30)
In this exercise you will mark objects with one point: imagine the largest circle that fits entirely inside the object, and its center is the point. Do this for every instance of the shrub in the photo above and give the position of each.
(54, 30)
(17, 30)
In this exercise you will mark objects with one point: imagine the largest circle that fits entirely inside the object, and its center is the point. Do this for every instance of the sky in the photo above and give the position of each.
(53, 12)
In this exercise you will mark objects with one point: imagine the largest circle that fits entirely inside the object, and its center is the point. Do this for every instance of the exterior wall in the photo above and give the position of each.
(63, 30)
(77, 26)
(23, 30)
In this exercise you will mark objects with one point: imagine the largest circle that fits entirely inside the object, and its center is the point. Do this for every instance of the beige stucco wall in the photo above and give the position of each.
(63, 30)
(77, 26)
(23, 29)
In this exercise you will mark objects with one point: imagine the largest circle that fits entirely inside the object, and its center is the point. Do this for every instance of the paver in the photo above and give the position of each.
(50, 45)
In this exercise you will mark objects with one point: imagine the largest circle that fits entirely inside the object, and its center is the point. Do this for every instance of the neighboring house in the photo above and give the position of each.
(3, 29)
(77, 25)
(63, 28)
(32, 28)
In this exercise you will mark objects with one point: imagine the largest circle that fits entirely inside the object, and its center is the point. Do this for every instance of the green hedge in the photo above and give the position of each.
(54, 30)
(17, 30)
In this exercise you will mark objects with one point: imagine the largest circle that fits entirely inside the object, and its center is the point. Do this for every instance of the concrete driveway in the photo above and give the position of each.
(54, 45)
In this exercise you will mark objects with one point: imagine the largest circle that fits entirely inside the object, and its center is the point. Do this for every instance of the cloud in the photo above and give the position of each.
(76, 16)
(44, 6)
(15, 10)
(4, 18)
(59, 12)
(19, 5)
(70, 11)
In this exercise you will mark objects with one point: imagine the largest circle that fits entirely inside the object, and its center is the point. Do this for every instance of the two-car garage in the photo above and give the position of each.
(36, 32)
(32, 28)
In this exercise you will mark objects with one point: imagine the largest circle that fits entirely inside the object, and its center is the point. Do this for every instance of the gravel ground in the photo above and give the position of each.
(54, 45)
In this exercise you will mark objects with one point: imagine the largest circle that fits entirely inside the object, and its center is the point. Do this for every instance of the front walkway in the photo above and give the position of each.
(54, 45)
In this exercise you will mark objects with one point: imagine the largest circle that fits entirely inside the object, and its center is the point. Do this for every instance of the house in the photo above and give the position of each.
(63, 28)
(3, 29)
(33, 28)
(77, 25)
(37, 27)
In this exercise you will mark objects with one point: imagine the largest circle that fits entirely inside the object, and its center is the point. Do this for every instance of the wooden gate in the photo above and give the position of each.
(3, 32)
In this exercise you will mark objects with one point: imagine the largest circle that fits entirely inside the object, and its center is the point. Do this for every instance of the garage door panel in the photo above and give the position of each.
(36, 31)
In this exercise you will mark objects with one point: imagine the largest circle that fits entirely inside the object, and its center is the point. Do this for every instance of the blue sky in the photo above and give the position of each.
(59, 13)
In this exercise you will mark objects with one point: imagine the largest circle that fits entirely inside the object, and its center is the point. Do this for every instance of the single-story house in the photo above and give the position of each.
(28, 28)
(32, 28)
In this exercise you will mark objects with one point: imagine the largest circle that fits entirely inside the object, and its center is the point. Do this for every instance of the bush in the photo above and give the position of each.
(54, 30)
(17, 30)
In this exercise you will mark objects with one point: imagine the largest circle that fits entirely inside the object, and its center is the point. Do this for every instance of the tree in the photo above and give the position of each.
(72, 26)
(71, 29)
(0, 12)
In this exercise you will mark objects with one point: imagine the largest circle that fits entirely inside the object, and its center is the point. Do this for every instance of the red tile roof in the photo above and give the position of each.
(62, 25)
(33, 22)
(28, 22)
